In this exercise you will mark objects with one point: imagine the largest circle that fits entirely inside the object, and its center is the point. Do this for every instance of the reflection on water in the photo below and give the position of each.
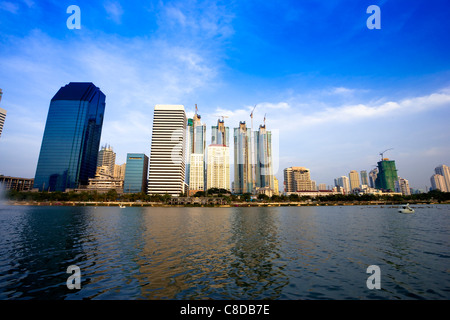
(223, 253)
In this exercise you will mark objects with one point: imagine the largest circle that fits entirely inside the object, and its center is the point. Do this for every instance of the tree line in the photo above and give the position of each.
(112, 195)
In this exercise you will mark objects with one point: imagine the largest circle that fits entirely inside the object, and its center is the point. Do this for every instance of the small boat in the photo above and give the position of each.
(121, 205)
(406, 209)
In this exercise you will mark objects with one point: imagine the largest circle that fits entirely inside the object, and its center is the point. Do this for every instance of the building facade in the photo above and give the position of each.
(343, 183)
(354, 180)
(107, 158)
(364, 178)
(136, 169)
(220, 134)
(218, 167)
(196, 142)
(263, 167)
(167, 169)
(297, 179)
(387, 175)
(402, 185)
(69, 149)
(243, 178)
(444, 171)
(438, 183)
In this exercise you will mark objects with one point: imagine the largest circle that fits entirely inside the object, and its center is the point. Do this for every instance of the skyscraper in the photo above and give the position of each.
(373, 177)
(69, 150)
(438, 183)
(167, 155)
(263, 168)
(218, 167)
(196, 141)
(444, 171)
(364, 178)
(243, 179)
(387, 175)
(297, 179)
(344, 183)
(135, 173)
(402, 185)
(107, 159)
(354, 180)
(220, 134)
(2, 114)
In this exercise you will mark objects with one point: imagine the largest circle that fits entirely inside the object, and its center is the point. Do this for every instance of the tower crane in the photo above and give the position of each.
(382, 153)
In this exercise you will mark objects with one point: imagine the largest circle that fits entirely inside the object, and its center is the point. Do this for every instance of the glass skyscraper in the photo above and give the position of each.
(263, 168)
(243, 178)
(69, 150)
(135, 173)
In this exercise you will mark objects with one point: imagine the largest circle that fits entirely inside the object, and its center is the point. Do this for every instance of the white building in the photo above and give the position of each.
(218, 167)
(402, 185)
(196, 172)
(438, 183)
(344, 183)
(444, 171)
(167, 169)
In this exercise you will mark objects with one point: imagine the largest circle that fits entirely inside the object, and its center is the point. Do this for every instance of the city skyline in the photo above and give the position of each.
(338, 92)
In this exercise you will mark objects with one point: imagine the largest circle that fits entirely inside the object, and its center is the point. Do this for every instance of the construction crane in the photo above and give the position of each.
(382, 153)
(216, 115)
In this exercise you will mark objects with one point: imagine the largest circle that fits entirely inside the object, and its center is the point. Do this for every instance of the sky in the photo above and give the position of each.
(334, 92)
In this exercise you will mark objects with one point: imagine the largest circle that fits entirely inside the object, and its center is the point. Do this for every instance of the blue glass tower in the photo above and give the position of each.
(69, 149)
(135, 173)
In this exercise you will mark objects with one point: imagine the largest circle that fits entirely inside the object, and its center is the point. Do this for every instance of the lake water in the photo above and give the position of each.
(281, 253)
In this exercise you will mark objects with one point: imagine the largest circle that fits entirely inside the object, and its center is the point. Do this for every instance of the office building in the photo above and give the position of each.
(354, 180)
(276, 186)
(438, 183)
(372, 177)
(364, 178)
(243, 178)
(444, 171)
(119, 171)
(195, 166)
(402, 185)
(107, 159)
(69, 149)
(218, 167)
(167, 168)
(135, 173)
(16, 183)
(263, 167)
(220, 134)
(387, 175)
(297, 179)
(343, 183)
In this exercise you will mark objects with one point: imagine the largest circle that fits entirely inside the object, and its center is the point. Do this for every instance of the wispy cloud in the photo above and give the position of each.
(9, 6)
(114, 11)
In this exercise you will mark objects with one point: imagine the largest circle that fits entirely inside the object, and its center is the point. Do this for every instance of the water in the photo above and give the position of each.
(224, 253)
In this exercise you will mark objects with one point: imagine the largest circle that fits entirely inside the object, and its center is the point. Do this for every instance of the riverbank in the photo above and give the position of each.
(231, 204)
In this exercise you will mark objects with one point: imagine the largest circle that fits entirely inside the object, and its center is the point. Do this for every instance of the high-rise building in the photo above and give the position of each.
(220, 134)
(263, 167)
(402, 185)
(438, 183)
(243, 179)
(364, 178)
(373, 177)
(354, 180)
(322, 186)
(196, 141)
(107, 158)
(119, 171)
(218, 167)
(135, 173)
(387, 175)
(344, 183)
(276, 186)
(69, 150)
(297, 179)
(2, 114)
(167, 155)
(444, 171)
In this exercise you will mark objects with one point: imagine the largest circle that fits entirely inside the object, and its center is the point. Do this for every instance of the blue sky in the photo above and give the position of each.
(335, 92)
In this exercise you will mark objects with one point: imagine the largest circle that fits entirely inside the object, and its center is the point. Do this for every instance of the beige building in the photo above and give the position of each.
(402, 185)
(107, 159)
(297, 179)
(218, 167)
(438, 182)
(354, 180)
(444, 171)
(119, 171)
(276, 186)
(196, 173)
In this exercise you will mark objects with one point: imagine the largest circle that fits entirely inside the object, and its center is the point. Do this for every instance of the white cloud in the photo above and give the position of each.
(9, 6)
(114, 11)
